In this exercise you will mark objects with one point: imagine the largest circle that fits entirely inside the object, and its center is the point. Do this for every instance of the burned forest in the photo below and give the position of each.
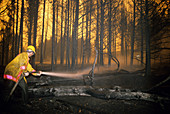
(85, 56)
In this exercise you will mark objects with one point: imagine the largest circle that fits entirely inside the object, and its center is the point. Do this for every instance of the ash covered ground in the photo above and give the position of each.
(122, 92)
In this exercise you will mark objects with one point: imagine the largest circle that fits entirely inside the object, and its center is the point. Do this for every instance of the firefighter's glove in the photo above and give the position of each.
(26, 73)
(39, 74)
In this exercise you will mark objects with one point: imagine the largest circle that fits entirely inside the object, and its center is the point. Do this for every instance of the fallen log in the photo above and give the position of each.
(124, 94)
(102, 93)
(58, 91)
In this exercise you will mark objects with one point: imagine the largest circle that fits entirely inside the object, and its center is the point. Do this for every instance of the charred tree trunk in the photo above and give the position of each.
(7, 36)
(13, 38)
(97, 31)
(133, 34)
(82, 44)
(73, 13)
(42, 38)
(3, 47)
(114, 38)
(101, 32)
(109, 42)
(16, 38)
(20, 40)
(46, 33)
(30, 18)
(126, 51)
(75, 34)
(61, 39)
(122, 28)
(65, 35)
(141, 24)
(35, 26)
(89, 44)
(53, 37)
(87, 33)
(68, 40)
(148, 62)
(56, 39)
(21, 25)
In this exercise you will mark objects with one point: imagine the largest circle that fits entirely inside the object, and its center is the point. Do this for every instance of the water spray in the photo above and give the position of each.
(64, 75)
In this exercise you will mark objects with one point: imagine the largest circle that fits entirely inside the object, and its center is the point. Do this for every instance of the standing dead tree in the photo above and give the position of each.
(90, 76)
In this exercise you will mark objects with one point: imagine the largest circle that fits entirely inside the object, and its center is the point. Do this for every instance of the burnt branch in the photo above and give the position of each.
(159, 84)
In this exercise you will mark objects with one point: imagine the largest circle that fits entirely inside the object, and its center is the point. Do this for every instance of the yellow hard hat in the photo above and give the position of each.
(31, 48)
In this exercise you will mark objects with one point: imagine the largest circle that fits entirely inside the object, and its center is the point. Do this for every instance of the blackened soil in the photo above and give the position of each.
(91, 104)
(84, 105)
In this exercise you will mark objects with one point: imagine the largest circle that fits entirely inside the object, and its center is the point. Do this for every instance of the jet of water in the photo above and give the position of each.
(65, 75)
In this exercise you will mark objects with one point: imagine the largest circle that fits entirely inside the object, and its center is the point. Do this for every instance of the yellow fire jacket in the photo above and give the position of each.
(17, 66)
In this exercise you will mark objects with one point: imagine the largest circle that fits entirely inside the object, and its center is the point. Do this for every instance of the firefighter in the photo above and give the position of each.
(20, 66)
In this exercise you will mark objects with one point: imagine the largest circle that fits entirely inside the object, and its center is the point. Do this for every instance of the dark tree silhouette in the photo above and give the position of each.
(53, 37)
(41, 55)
